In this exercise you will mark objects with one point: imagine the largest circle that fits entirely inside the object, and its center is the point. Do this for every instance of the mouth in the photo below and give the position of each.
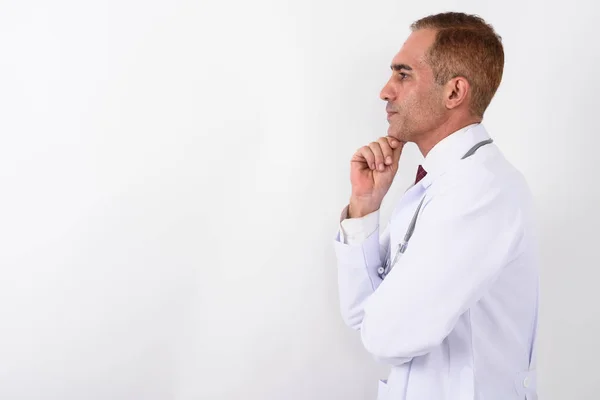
(390, 114)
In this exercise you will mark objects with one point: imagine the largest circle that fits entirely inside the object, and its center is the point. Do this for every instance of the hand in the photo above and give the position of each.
(372, 171)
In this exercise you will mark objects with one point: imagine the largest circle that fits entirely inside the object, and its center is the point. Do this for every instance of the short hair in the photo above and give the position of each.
(465, 45)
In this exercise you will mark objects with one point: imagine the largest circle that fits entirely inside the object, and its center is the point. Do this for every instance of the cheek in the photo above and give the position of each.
(407, 101)
(412, 106)
(428, 102)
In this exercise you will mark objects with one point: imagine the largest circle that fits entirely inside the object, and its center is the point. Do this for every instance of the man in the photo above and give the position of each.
(447, 294)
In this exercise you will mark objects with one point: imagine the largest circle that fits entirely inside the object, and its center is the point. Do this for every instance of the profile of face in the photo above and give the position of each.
(415, 102)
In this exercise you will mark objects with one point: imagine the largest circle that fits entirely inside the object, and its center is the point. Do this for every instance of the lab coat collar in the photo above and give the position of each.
(450, 150)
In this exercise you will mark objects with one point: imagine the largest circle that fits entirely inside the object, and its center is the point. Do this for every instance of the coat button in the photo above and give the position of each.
(526, 382)
(380, 270)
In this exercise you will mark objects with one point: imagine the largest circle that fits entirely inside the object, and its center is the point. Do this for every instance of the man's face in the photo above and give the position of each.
(414, 101)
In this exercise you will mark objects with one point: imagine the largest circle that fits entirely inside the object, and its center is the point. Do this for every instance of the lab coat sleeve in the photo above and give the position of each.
(461, 243)
(360, 249)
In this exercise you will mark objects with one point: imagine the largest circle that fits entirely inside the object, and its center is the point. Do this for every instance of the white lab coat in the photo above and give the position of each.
(456, 317)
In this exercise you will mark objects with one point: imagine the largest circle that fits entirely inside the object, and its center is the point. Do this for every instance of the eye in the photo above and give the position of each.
(402, 76)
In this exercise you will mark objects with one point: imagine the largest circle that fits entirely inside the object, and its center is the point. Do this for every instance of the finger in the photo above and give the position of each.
(394, 143)
(379, 159)
(368, 155)
(386, 149)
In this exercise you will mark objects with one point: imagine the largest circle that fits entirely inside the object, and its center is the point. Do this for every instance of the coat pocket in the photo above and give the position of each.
(382, 390)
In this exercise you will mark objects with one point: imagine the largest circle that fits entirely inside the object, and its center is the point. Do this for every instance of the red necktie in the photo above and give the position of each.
(420, 174)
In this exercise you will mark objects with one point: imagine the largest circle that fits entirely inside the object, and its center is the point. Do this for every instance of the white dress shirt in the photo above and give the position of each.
(456, 317)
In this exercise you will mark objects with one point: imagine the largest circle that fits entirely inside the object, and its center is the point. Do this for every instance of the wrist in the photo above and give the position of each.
(358, 208)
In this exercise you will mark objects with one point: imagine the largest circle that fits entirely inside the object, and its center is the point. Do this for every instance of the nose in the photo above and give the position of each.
(387, 93)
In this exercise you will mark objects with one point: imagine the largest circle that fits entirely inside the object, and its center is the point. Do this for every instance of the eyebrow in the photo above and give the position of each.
(399, 67)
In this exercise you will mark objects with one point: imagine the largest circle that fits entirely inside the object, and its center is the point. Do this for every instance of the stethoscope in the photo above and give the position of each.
(384, 270)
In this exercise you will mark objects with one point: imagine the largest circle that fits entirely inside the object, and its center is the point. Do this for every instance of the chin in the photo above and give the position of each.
(394, 132)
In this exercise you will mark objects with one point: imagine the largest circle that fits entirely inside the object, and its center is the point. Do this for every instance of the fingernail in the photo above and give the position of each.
(388, 160)
(381, 167)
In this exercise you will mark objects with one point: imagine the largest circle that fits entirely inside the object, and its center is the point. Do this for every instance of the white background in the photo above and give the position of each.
(172, 175)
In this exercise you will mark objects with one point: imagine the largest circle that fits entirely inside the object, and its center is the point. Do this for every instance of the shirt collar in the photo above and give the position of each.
(451, 149)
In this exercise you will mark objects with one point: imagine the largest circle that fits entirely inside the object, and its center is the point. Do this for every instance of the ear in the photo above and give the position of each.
(455, 92)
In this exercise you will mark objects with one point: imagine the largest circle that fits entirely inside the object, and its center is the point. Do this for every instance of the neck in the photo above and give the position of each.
(433, 137)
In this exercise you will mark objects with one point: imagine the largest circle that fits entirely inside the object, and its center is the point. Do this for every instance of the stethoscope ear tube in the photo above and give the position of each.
(403, 245)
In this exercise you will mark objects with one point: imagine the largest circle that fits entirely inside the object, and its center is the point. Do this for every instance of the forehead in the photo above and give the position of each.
(415, 48)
